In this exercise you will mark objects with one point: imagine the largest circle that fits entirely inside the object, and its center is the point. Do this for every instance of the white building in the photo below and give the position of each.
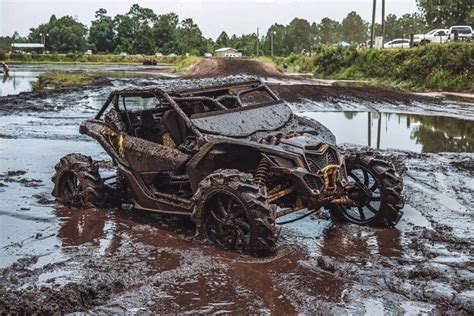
(227, 52)
(19, 47)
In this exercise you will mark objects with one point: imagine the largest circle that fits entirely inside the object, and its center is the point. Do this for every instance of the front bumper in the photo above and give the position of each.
(318, 189)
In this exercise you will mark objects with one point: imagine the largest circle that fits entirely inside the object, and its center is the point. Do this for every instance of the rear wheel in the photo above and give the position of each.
(232, 212)
(77, 182)
(378, 190)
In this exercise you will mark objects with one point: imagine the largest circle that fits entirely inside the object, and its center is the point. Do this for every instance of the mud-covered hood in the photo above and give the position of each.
(297, 144)
(302, 141)
(245, 121)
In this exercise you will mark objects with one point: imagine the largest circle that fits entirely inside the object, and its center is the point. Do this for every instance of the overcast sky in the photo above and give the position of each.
(212, 16)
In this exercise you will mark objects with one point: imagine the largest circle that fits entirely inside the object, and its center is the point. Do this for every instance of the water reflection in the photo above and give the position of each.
(17, 82)
(401, 131)
(81, 226)
(444, 134)
(360, 243)
(23, 76)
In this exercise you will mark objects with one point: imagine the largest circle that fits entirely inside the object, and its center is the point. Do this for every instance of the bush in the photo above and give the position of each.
(438, 67)
(96, 58)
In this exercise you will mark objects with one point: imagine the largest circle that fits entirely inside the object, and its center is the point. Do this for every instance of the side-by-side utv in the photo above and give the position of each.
(233, 157)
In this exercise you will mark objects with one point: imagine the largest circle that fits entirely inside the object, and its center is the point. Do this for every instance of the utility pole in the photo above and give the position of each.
(372, 29)
(383, 21)
(258, 40)
(271, 37)
(43, 41)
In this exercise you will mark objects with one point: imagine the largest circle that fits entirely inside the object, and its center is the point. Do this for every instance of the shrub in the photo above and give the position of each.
(440, 67)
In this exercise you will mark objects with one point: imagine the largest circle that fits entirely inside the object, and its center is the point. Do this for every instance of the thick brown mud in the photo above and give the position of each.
(56, 260)
(219, 67)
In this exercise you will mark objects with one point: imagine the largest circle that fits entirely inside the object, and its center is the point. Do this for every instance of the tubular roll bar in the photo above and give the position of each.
(185, 95)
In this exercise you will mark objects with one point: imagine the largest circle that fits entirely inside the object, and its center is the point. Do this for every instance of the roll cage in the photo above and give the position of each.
(222, 98)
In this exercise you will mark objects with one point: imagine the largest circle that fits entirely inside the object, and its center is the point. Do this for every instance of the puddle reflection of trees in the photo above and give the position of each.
(434, 133)
(439, 134)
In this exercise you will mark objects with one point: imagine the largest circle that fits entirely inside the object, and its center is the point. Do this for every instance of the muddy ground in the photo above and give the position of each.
(220, 67)
(60, 260)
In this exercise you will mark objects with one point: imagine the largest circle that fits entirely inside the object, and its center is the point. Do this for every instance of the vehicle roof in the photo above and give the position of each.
(399, 39)
(467, 26)
(152, 90)
(187, 91)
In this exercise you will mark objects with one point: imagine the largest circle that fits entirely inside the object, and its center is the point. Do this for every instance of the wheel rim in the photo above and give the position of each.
(368, 209)
(226, 222)
(70, 188)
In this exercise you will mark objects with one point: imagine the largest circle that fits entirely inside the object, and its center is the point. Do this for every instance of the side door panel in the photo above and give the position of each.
(145, 156)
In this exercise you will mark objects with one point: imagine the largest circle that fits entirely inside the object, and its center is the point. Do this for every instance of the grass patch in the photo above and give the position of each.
(58, 80)
(186, 64)
(14, 58)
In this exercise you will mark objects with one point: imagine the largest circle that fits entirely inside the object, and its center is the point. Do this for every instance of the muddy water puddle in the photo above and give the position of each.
(122, 260)
(146, 262)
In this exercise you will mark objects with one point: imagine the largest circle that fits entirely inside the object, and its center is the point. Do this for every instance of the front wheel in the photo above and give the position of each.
(378, 189)
(77, 182)
(232, 213)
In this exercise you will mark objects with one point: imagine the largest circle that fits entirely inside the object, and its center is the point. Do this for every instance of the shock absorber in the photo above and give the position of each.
(262, 173)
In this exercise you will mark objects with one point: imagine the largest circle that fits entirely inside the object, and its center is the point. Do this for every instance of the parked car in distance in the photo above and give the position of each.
(88, 52)
(464, 33)
(437, 36)
(397, 43)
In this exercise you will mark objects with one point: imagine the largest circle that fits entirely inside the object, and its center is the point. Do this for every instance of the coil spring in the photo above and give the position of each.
(262, 173)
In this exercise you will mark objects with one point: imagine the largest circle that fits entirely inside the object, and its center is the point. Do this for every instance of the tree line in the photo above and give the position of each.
(142, 31)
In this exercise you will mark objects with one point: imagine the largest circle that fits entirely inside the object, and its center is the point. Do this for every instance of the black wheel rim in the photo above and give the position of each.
(226, 222)
(366, 210)
(70, 188)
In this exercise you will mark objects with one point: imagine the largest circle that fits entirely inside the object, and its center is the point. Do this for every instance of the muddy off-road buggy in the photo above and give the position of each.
(234, 158)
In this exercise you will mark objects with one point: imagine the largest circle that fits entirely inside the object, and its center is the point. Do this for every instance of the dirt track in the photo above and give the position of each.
(59, 260)
(218, 67)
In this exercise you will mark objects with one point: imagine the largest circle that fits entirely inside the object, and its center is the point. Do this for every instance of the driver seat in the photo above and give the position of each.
(175, 126)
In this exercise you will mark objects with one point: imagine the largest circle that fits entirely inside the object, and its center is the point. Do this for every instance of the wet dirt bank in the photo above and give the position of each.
(310, 97)
(58, 260)
(302, 95)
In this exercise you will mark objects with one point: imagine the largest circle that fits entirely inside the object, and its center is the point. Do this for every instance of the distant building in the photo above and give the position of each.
(21, 47)
(227, 52)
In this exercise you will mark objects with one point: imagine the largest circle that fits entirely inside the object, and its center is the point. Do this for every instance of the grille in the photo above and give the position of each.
(318, 162)
(313, 182)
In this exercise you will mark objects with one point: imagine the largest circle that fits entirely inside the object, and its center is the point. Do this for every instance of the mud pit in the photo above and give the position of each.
(55, 259)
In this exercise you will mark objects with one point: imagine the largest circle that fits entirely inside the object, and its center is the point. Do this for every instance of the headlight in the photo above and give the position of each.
(282, 162)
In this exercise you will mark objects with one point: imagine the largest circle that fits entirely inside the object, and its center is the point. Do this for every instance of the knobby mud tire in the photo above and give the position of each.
(260, 214)
(88, 186)
(390, 185)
